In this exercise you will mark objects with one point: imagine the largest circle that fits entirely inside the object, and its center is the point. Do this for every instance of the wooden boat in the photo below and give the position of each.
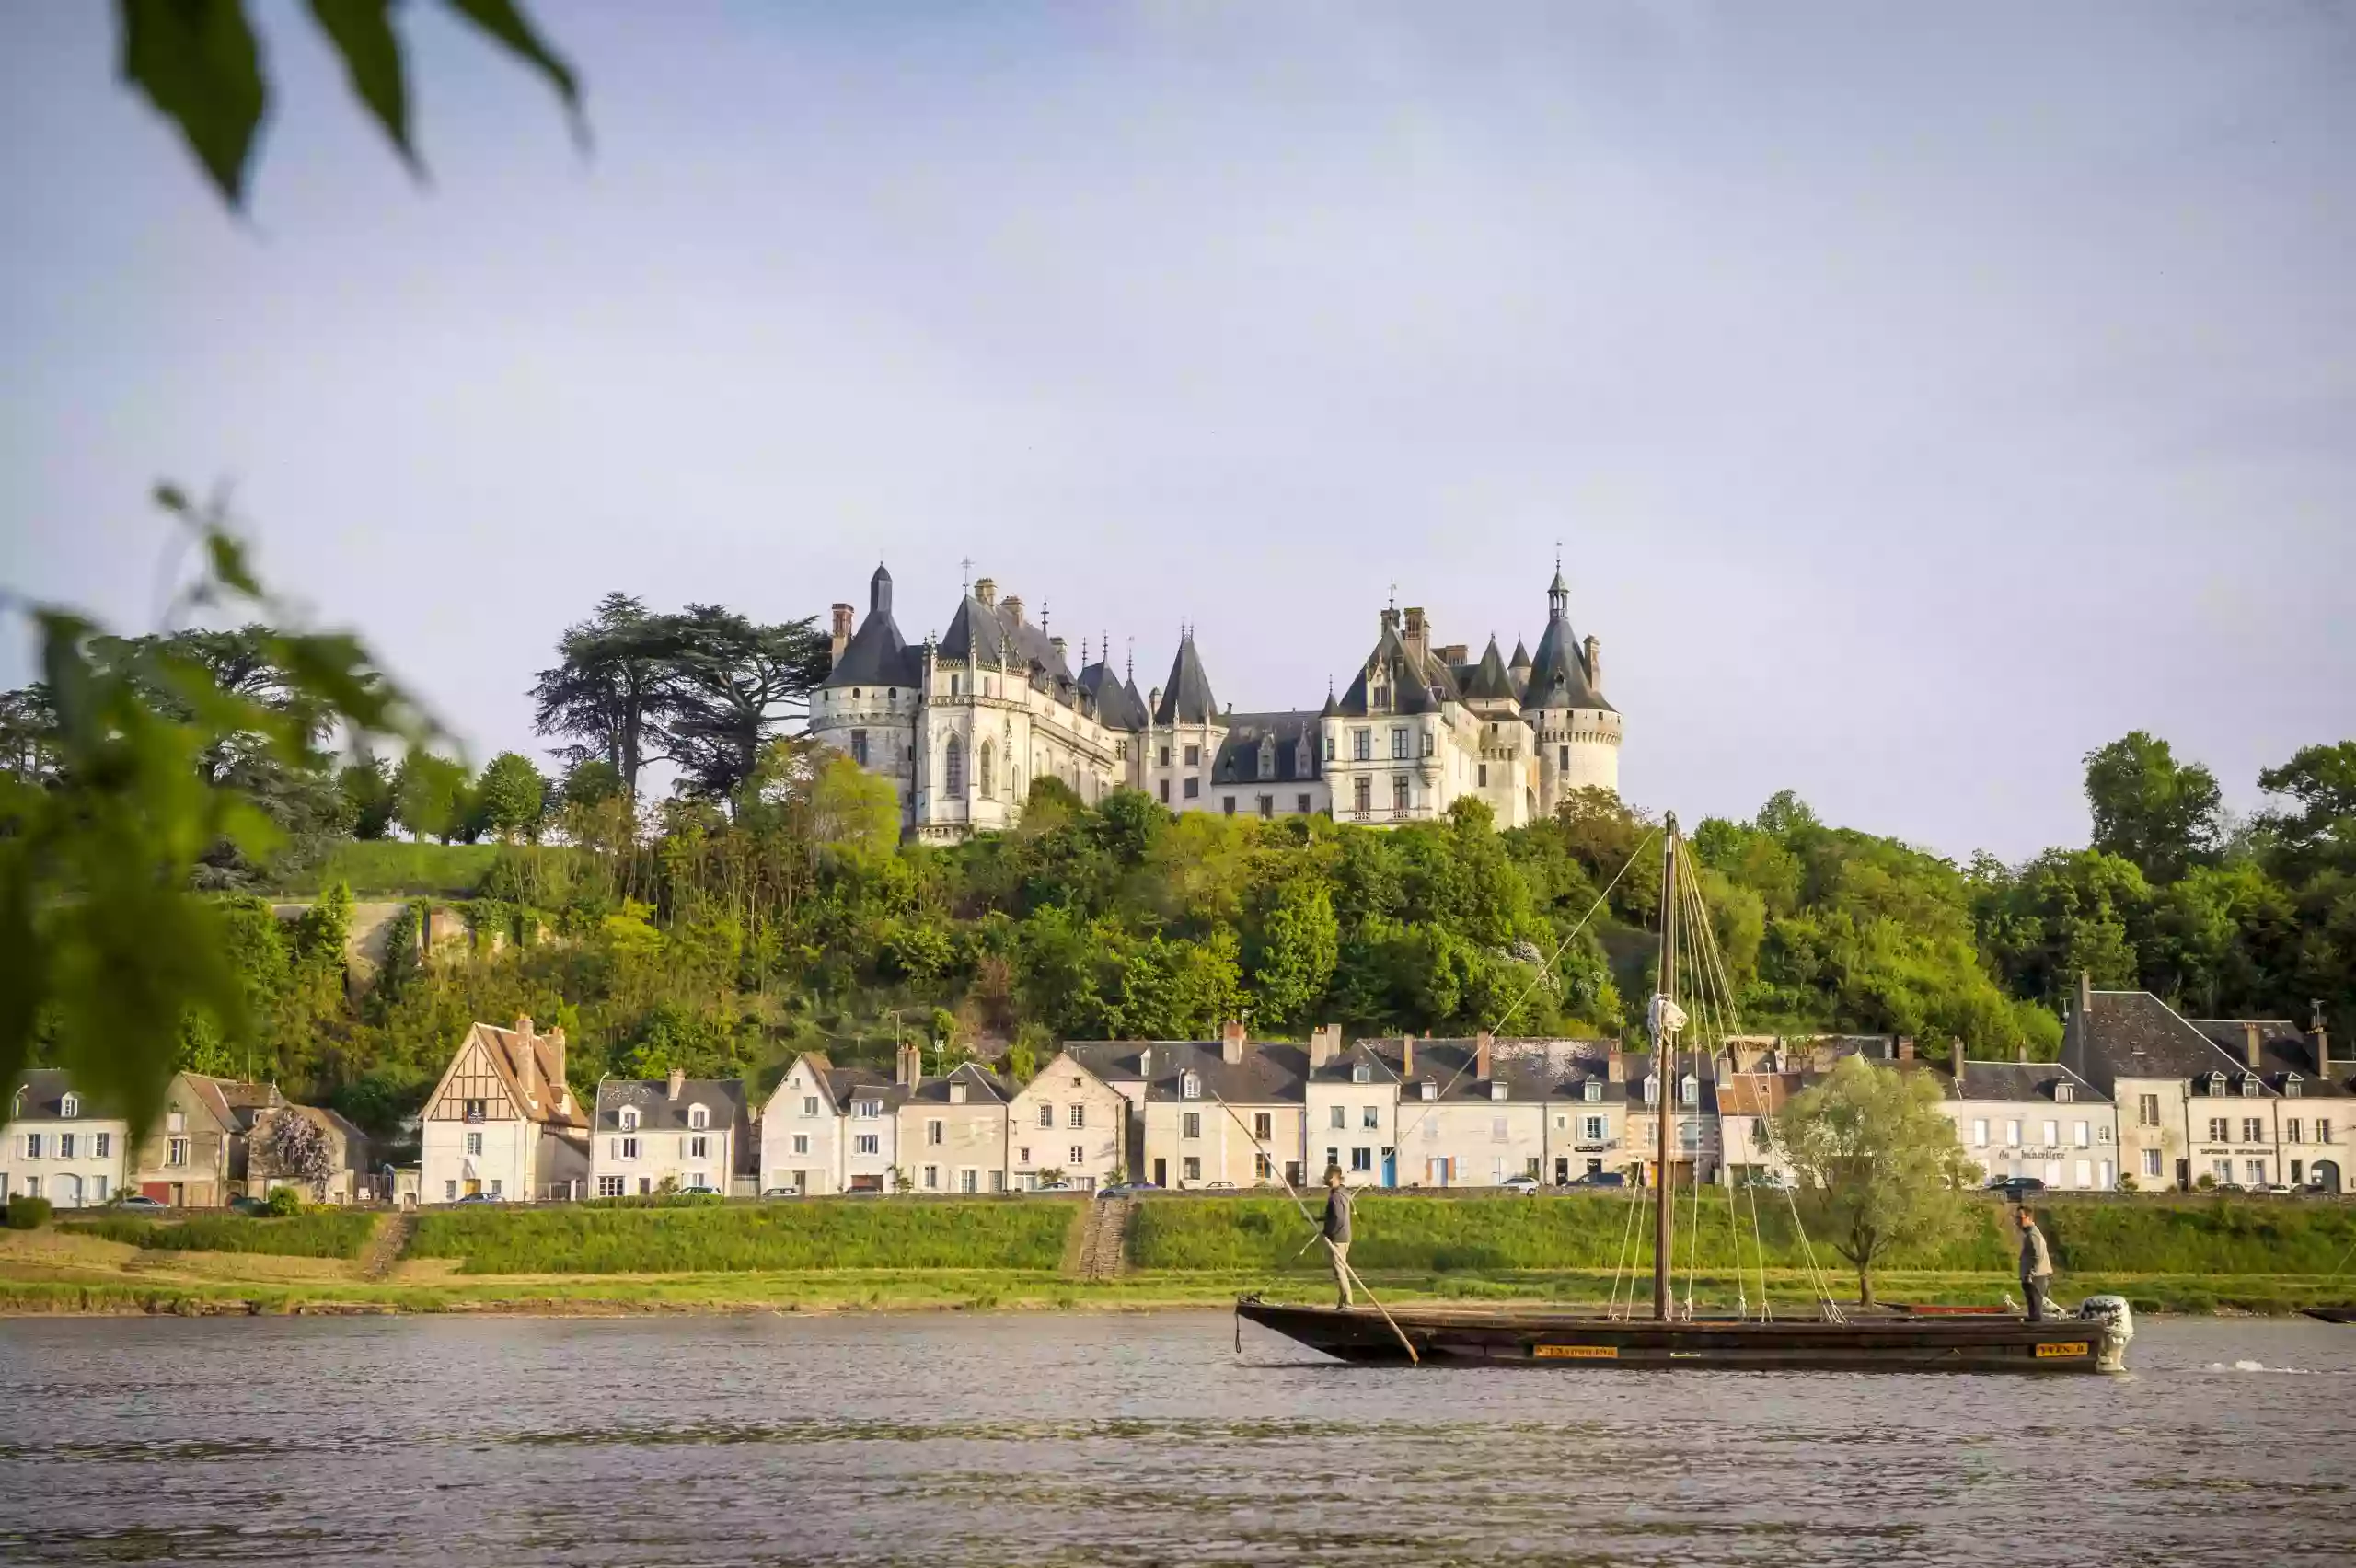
(1889, 1340)
(1897, 1343)
(2332, 1314)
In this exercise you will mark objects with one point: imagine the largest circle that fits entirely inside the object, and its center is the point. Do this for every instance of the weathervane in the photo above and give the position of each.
(968, 564)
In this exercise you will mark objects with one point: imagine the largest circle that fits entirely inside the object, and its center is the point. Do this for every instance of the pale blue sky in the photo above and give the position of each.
(1923, 396)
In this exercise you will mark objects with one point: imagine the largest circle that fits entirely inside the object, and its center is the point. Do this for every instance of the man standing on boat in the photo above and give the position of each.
(2036, 1265)
(1337, 1229)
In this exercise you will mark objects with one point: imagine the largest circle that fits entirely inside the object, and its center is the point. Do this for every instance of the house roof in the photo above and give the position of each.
(982, 1087)
(847, 1084)
(1187, 697)
(1118, 707)
(2283, 1050)
(2135, 1034)
(722, 1100)
(508, 1050)
(1559, 676)
(41, 1094)
(1489, 681)
(1292, 741)
(1416, 686)
(2022, 1080)
(1273, 1072)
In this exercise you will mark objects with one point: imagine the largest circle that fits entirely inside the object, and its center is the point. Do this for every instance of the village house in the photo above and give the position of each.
(1067, 1120)
(1224, 1113)
(1696, 1149)
(1351, 1098)
(348, 1179)
(502, 1122)
(952, 1131)
(829, 1129)
(675, 1134)
(195, 1155)
(2310, 1095)
(59, 1145)
(2039, 1119)
(1468, 1116)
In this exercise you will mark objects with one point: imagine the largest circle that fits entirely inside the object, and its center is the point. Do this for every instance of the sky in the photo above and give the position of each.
(1919, 396)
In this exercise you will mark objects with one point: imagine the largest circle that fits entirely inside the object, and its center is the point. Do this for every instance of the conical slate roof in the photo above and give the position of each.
(1416, 686)
(1489, 678)
(1558, 675)
(1186, 698)
(877, 655)
(1520, 660)
(1117, 704)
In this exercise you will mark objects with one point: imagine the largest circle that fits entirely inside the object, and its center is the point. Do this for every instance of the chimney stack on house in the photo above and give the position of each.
(1595, 664)
(1059, 645)
(1456, 653)
(2317, 1026)
(907, 1069)
(1419, 635)
(527, 1060)
(841, 637)
(1615, 1064)
(1407, 1056)
(985, 590)
(677, 1085)
(1013, 607)
(1484, 1055)
(1324, 1044)
(1231, 1043)
(2250, 1059)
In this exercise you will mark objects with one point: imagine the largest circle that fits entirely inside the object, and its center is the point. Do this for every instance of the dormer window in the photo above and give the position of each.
(2217, 1083)
(698, 1118)
(2250, 1086)
(1362, 1073)
(1689, 1092)
(1591, 1091)
(1430, 1091)
(1652, 1089)
(2063, 1093)
(1190, 1085)
(2291, 1086)
(70, 1106)
(956, 1094)
(870, 1109)
(1497, 1089)
(627, 1119)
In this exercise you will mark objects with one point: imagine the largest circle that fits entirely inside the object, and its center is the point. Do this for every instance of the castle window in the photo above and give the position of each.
(1268, 757)
(1365, 797)
(1194, 787)
(1267, 805)
(1565, 763)
(952, 767)
(859, 747)
(1194, 756)
(985, 771)
(1399, 794)
(1427, 743)
(1329, 748)
(1399, 743)
(1361, 745)
(952, 686)
(1300, 804)
(1485, 776)
(1165, 757)
(1165, 792)
(854, 691)
(1120, 751)
(1227, 804)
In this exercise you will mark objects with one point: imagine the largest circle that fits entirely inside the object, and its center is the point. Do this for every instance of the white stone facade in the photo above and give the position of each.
(962, 726)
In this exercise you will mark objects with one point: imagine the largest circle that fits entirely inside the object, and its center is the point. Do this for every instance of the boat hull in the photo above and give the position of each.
(1943, 1343)
(2332, 1314)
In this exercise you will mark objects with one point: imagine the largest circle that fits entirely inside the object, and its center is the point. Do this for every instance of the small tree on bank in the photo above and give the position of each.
(290, 1147)
(1878, 1165)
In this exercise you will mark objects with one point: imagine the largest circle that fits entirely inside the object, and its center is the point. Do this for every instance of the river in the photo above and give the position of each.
(1144, 1438)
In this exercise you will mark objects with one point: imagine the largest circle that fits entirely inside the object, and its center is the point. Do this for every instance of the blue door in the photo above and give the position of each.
(1390, 1167)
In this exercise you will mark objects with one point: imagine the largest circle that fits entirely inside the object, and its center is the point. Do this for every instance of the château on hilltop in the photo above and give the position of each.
(963, 725)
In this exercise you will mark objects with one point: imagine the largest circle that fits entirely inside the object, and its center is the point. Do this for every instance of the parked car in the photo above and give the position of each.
(248, 1206)
(1526, 1185)
(1125, 1189)
(780, 1191)
(1219, 1186)
(140, 1201)
(480, 1198)
(2013, 1187)
(1599, 1179)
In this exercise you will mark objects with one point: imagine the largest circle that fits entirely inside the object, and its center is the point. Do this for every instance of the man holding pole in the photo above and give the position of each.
(2036, 1265)
(1337, 1230)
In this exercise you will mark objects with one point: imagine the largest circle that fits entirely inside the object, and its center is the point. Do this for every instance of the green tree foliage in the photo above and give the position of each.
(1878, 1161)
(200, 65)
(2149, 809)
(736, 681)
(610, 691)
(430, 796)
(368, 799)
(511, 798)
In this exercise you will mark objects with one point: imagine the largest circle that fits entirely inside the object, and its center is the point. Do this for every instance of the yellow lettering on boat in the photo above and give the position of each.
(1579, 1352)
(2061, 1347)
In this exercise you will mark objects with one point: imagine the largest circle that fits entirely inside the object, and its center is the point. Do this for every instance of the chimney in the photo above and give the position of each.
(2249, 1046)
(1324, 1044)
(1059, 644)
(527, 1061)
(1391, 618)
(2316, 1027)
(1014, 609)
(554, 1041)
(679, 1083)
(1595, 664)
(1407, 1056)
(909, 1070)
(841, 637)
(1615, 1064)
(985, 590)
(1231, 1043)
(1455, 653)
(1483, 1057)
(2085, 994)
(1905, 1047)
(1153, 700)
(1418, 637)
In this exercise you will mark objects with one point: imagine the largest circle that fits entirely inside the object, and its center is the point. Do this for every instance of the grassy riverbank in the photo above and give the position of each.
(2195, 1256)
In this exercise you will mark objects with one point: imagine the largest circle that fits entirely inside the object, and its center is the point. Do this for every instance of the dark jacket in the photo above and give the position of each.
(2035, 1262)
(1338, 1214)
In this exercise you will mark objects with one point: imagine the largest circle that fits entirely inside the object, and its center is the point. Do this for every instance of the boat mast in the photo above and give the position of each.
(1664, 1061)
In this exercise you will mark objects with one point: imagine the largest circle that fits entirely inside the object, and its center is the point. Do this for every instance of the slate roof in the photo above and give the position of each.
(2282, 1049)
(1272, 1071)
(1558, 674)
(847, 1084)
(1293, 739)
(982, 1087)
(41, 1090)
(989, 633)
(2135, 1034)
(505, 1047)
(1416, 686)
(877, 655)
(1116, 702)
(722, 1100)
(1489, 680)
(1186, 696)
(2023, 1080)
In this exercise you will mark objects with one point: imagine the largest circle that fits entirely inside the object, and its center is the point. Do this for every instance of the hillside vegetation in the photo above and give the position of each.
(876, 1234)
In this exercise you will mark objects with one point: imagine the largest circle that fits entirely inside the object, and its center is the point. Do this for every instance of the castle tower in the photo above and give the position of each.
(1577, 729)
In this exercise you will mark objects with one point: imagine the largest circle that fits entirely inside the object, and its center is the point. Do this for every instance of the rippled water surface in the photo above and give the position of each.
(1142, 1439)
